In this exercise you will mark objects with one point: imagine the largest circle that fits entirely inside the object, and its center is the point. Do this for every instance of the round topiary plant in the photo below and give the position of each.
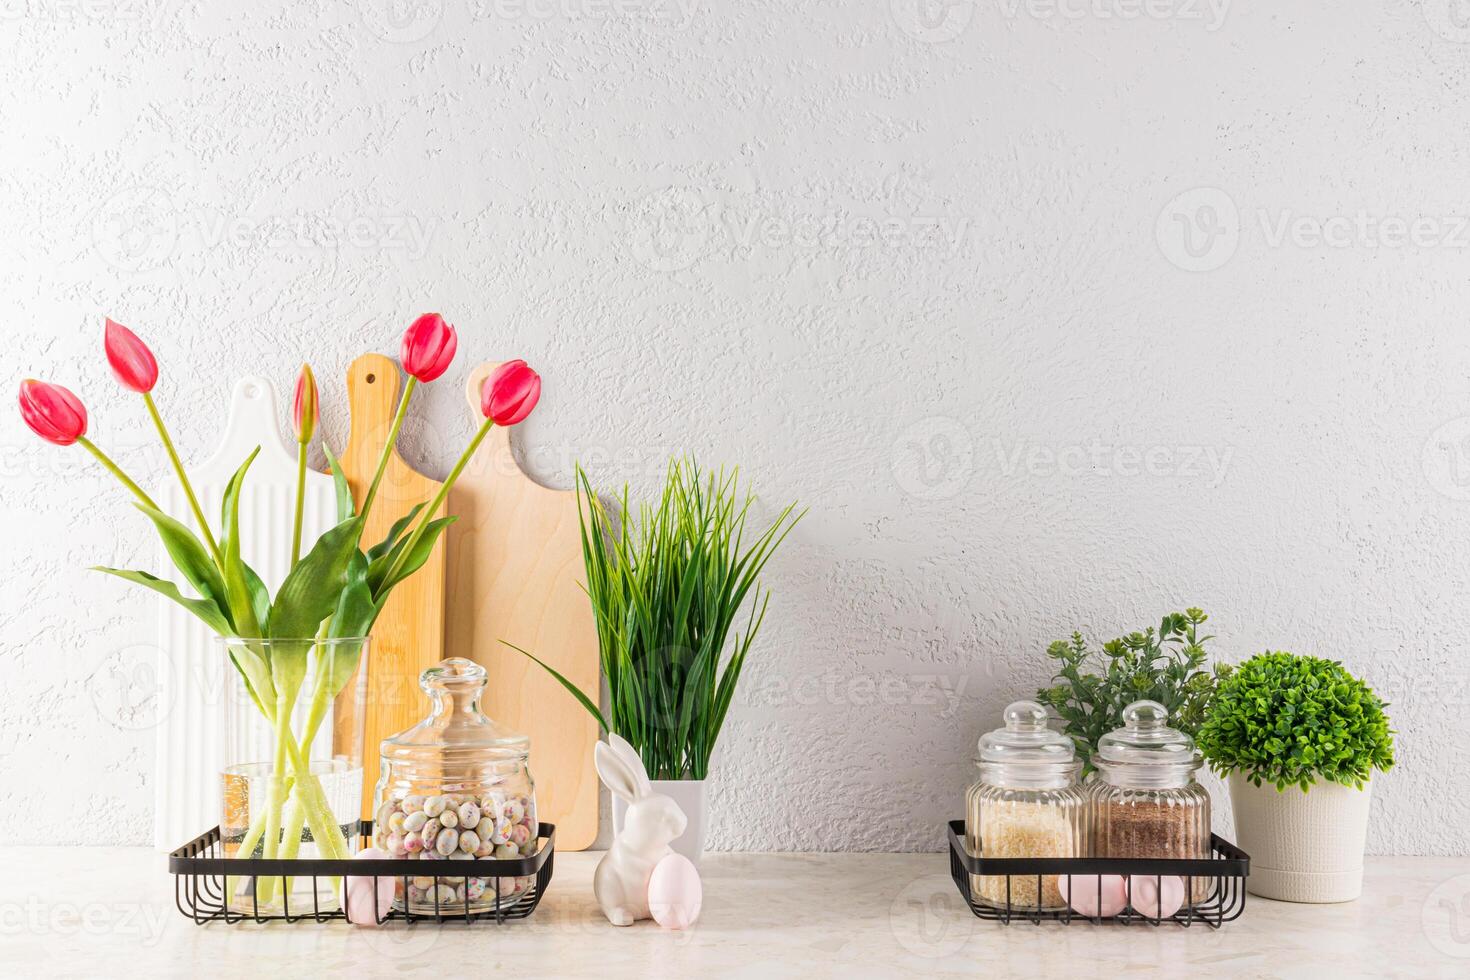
(1284, 719)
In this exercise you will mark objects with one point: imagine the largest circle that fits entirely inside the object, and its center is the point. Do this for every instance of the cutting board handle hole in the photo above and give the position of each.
(252, 391)
(371, 378)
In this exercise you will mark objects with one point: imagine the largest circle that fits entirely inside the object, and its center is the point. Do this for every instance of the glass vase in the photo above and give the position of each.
(292, 773)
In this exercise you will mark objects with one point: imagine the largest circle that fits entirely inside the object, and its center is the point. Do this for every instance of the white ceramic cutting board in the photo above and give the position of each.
(193, 667)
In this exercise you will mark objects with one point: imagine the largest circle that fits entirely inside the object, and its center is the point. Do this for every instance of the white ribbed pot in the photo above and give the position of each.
(692, 799)
(1304, 847)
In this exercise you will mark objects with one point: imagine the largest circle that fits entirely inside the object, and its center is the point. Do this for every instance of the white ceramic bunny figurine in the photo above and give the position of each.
(652, 821)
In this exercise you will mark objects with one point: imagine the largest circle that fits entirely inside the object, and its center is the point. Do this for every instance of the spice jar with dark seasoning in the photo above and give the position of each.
(1145, 801)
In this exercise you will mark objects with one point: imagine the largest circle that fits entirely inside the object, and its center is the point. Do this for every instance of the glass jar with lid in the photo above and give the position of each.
(456, 787)
(1026, 803)
(1146, 802)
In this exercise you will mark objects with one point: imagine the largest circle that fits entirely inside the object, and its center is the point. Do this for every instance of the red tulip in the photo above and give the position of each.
(510, 393)
(306, 410)
(428, 347)
(131, 360)
(52, 412)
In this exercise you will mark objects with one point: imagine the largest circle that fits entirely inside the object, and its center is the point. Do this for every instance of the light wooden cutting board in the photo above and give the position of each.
(409, 635)
(516, 574)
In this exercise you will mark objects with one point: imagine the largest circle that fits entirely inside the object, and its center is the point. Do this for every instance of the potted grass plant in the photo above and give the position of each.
(678, 603)
(1298, 739)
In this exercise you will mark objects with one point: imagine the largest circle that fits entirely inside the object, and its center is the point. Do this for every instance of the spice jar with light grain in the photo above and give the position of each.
(1027, 803)
(1145, 801)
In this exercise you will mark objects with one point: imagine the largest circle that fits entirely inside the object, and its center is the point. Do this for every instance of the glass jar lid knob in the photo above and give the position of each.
(1026, 739)
(1147, 739)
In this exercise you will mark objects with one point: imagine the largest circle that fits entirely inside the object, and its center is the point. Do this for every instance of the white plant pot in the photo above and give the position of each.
(1304, 847)
(692, 799)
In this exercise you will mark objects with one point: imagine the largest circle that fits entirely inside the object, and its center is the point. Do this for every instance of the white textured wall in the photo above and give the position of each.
(928, 274)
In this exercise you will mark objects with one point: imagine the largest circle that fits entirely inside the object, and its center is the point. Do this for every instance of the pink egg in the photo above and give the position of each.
(675, 893)
(1157, 898)
(1085, 890)
(356, 894)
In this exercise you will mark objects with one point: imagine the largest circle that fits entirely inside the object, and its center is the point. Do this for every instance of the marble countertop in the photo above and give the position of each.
(110, 912)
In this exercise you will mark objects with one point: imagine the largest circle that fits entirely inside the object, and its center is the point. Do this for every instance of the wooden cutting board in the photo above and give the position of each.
(409, 635)
(516, 574)
(193, 670)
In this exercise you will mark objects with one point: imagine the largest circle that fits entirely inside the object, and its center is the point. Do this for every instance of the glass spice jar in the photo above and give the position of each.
(1145, 801)
(1026, 803)
(456, 787)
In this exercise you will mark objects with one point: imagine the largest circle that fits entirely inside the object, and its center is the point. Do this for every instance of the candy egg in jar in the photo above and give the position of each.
(456, 787)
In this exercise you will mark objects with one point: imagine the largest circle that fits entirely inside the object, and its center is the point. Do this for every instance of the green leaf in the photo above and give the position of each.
(394, 533)
(243, 597)
(346, 506)
(211, 615)
(575, 691)
(260, 595)
(356, 610)
(313, 589)
(189, 556)
(382, 587)
(230, 505)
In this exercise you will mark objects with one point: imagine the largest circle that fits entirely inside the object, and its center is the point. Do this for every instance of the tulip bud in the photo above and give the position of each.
(131, 360)
(509, 393)
(52, 412)
(306, 410)
(428, 347)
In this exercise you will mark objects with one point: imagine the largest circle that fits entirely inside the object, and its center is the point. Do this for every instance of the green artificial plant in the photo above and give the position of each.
(667, 593)
(1166, 665)
(1288, 720)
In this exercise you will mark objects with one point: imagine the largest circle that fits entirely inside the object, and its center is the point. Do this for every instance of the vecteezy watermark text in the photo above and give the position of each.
(672, 229)
(144, 923)
(936, 458)
(940, 691)
(1201, 229)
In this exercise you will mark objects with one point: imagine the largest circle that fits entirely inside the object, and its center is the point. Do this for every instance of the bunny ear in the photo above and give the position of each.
(613, 770)
(634, 762)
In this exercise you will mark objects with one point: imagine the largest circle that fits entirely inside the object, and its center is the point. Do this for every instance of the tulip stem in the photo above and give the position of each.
(433, 508)
(173, 455)
(388, 447)
(300, 504)
(116, 471)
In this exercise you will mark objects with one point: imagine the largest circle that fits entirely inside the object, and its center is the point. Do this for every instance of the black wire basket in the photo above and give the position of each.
(1218, 879)
(200, 868)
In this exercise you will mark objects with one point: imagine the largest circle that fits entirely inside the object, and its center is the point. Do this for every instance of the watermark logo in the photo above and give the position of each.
(933, 458)
(932, 21)
(401, 21)
(749, 230)
(1199, 230)
(144, 925)
(302, 232)
(678, 14)
(136, 229)
(929, 919)
(1209, 12)
(132, 688)
(1446, 917)
(1450, 19)
(1207, 464)
(1446, 459)
(1364, 229)
(670, 230)
(943, 693)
